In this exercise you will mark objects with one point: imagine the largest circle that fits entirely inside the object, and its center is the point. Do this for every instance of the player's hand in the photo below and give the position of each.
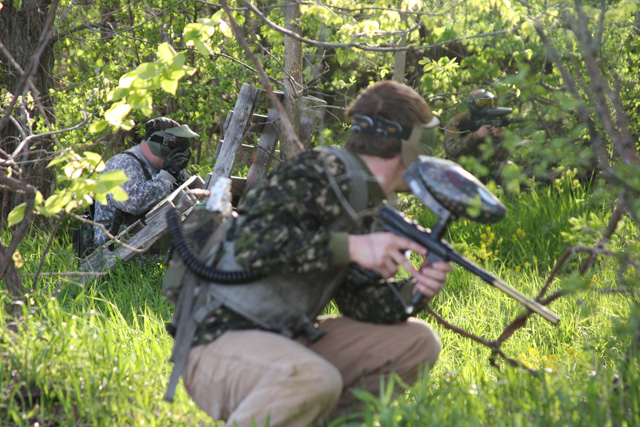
(431, 278)
(484, 131)
(497, 132)
(383, 252)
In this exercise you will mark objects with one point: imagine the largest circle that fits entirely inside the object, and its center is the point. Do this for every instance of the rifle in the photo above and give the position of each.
(496, 117)
(451, 193)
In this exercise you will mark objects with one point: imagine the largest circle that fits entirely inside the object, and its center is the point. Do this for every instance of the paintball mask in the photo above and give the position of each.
(482, 103)
(417, 140)
(165, 136)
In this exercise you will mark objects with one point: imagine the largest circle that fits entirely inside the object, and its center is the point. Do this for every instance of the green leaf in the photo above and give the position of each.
(140, 100)
(225, 29)
(93, 158)
(169, 86)
(176, 75)
(437, 32)
(98, 126)
(178, 61)
(146, 70)
(71, 206)
(72, 171)
(16, 215)
(54, 204)
(117, 113)
(217, 16)
(166, 52)
(118, 93)
(119, 195)
(101, 198)
(58, 160)
(127, 79)
(113, 179)
(128, 124)
(202, 47)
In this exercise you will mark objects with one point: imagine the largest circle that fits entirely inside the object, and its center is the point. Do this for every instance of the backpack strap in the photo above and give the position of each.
(359, 194)
(145, 170)
(190, 311)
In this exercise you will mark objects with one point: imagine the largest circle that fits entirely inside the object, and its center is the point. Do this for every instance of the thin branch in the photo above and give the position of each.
(342, 10)
(618, 130)
(68, 273)
(617, 215)
(53, 132)
(99, 26)
(108, 234)
(491, 344)
(386, 47)
(284, 120)
(570, 84)
(247, 66)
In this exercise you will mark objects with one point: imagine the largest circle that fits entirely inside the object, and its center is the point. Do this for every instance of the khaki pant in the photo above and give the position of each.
(247, 376)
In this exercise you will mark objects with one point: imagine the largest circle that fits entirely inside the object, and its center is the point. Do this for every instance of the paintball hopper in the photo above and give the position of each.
(451, 192)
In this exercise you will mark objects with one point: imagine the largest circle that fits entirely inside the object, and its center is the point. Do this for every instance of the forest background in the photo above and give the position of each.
(79, 80)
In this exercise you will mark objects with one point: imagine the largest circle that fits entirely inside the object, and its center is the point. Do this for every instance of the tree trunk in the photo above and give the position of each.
(400, 57)
(20, 33)
(292, 78)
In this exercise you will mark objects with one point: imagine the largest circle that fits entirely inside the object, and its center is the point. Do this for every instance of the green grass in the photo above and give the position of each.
(96, 353)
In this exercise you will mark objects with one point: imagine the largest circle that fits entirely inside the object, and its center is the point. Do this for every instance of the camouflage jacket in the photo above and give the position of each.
(285, 231)
(464, 143)
(143, 193)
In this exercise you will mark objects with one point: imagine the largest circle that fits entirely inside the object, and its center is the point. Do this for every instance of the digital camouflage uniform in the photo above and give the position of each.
(460, 143)
(286, 232)
(143, 194)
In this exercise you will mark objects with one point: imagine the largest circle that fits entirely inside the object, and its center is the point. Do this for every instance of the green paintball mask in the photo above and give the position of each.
(163, 142)
(422, 141)
(416, 141)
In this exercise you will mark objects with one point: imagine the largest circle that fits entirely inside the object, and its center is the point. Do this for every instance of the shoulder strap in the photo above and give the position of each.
(142, 165)
(359, 188)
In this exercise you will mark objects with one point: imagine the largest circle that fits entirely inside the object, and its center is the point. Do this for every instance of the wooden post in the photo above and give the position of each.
(241, 119)
(263, 154)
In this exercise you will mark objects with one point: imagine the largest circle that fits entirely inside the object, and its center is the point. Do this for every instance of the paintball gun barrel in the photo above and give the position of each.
(496, 117)
(451, 192)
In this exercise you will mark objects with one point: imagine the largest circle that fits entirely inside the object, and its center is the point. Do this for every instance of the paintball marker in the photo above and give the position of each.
(451, 193)
(496, 117)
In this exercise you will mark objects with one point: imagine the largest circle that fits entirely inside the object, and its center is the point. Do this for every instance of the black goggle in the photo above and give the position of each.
(174, 142)
(170, 141)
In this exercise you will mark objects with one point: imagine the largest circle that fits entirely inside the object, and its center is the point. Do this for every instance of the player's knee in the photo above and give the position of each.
(328, 383)
(427, 342)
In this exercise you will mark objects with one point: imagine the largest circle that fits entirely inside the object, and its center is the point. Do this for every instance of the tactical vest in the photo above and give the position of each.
(282, 303)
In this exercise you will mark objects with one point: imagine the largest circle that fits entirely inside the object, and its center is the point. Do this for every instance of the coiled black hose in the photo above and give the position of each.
(194, 264)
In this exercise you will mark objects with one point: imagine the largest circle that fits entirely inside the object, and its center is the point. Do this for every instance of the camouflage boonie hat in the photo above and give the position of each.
(158, 124)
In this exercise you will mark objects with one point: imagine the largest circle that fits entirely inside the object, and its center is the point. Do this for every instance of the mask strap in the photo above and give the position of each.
(379, 126)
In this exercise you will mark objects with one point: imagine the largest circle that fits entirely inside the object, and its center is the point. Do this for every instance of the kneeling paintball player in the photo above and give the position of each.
(308, 232)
